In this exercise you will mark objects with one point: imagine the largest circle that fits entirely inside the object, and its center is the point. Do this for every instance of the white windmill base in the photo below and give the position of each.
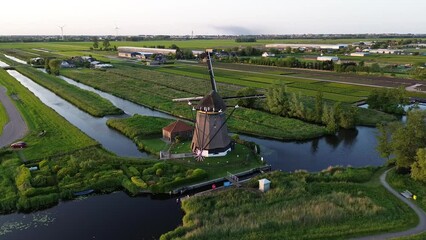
(206, 153)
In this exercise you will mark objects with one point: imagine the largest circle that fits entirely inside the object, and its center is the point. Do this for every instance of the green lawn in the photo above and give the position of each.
(3, 117)
(338, 203)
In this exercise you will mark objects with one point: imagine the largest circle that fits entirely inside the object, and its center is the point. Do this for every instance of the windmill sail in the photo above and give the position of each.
(211, 133)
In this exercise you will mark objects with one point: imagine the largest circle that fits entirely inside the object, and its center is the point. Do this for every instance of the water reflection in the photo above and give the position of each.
(354, 147)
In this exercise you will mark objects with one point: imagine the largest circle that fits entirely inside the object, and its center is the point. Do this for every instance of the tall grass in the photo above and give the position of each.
(295, 209)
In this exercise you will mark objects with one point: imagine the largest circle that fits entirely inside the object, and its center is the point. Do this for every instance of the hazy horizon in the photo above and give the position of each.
(219, 18)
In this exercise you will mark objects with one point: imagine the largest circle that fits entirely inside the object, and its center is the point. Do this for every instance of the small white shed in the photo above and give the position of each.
(264, 185)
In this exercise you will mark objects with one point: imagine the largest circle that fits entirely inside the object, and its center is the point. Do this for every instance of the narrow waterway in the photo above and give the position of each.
(128, 107)
(15, 59)
(94, 127)
(3, 64)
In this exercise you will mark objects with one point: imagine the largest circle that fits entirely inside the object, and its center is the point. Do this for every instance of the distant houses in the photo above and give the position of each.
(84, 61)
(153, 56)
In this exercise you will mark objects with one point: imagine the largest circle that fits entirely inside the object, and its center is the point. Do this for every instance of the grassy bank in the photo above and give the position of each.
(3, 117)
(61, 137)
(334, 204)
(145, 131)
(85, 100)
(59, 178)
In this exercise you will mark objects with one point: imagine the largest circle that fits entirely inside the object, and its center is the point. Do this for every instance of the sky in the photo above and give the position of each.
(181, 17)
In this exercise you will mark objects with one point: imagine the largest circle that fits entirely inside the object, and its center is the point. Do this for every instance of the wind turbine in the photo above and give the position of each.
(62, 31)
(116, 31)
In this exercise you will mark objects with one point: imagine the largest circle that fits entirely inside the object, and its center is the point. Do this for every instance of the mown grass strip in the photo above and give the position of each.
(85, 100)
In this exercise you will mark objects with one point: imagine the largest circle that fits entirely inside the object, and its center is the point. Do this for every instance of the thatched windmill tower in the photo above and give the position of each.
(211, 133)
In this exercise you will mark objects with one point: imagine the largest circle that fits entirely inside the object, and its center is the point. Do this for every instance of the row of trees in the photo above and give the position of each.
(284, 62)
(291, 105)
(406, 143)
(106, 45)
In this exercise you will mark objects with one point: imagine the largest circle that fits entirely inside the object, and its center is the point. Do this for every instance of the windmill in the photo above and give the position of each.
(210, 136)
(62, 31)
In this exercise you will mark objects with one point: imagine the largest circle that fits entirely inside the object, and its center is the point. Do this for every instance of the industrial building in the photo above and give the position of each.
(327, 58)
(132, 52)
(359, 54)
(384, 51)
(307, 46)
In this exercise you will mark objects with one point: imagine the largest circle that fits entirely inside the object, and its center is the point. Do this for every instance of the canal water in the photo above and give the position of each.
(112, 216)
(117, 216)
(15, 59)
(94, 127)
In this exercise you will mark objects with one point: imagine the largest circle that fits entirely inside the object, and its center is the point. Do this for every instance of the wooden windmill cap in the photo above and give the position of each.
(212, 102)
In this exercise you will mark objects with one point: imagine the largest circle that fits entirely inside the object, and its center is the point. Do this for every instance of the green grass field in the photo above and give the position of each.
(334, 204)
(3, 117)
(61, 137)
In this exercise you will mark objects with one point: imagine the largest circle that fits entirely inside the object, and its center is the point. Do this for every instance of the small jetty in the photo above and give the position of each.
(256, 171)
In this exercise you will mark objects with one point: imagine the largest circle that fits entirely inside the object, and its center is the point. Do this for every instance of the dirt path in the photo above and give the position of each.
(421, 227)
(16, 128)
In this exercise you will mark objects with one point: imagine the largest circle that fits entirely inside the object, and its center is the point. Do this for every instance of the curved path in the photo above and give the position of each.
(421, 227)
(16, 128)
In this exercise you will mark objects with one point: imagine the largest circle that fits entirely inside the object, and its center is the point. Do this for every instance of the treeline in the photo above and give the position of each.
(281, 103)
(245, 39)
(406, 144)
(290, 62)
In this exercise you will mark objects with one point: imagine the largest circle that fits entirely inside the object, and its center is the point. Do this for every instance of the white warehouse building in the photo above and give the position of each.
(327, 58)
(127, 51)
(312, 46)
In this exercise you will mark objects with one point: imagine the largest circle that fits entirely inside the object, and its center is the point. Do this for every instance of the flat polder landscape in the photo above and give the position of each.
(233, 135)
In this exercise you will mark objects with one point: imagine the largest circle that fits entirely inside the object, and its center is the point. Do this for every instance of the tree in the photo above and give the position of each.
(384, 146)
(418, 169)
(54, 66)
(106, 44)
(329, 119)
(247, 102)
(407, 139)
(95, 43)
(277, 100)
(319, 106)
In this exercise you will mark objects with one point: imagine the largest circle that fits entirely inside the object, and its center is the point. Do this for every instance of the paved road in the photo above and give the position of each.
(421, 227)
(16, 128)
